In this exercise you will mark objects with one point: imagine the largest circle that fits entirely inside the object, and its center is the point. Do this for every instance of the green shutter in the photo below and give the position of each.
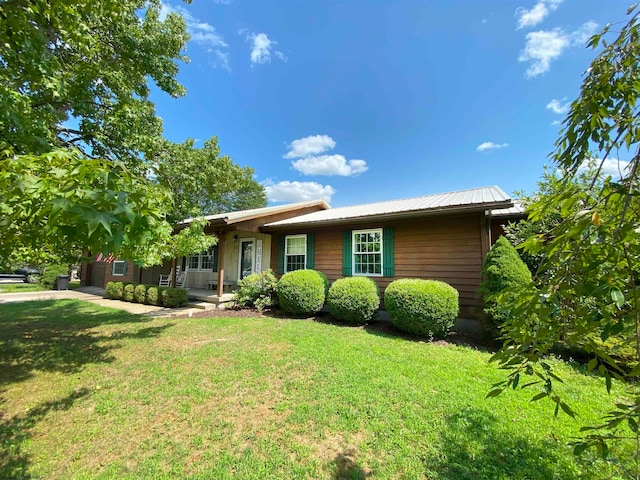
(347, 257)
(281, 254)
(387, 252)
(311, 245)
(214, 267)
(184, 263)
(126, 264)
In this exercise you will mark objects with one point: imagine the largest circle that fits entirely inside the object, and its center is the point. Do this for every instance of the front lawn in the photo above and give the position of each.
(90, 392)
(31, 287)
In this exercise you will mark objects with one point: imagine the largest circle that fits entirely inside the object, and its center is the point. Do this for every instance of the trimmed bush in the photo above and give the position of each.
(115, 290)
(422, 307)
(354, 299)
(302, 291)
(140, 293)
(50, 274)
(503, 271)
(154, 295)
(127, 294)
(174, 297)
(257, 290)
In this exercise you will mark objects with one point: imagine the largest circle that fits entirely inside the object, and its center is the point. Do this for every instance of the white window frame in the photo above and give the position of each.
(113, 268)
(287, 237)
(199, 269)
(353, 252)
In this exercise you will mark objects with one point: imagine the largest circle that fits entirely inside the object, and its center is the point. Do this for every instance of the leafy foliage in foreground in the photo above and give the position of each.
(589, 293)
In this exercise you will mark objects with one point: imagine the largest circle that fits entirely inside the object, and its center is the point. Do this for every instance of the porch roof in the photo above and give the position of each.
(485, 198)
(256, 214)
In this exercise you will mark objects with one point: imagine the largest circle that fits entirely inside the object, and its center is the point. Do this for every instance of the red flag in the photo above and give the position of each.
(110, 258)
(99, 257)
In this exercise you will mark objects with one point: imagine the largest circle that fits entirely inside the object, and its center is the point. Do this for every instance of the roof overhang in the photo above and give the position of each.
(387, 217)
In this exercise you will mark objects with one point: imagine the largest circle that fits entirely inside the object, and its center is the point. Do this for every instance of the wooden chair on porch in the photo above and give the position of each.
(181, 278)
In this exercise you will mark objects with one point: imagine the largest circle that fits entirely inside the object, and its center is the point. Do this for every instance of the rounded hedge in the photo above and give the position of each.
(127, 294)
(114, 290)
(154, 295)
(302, 291)
(354, 299)
(140, 293)
(422, 307)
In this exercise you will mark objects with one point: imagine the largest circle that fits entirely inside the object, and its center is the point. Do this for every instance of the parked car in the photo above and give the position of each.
(29, 274)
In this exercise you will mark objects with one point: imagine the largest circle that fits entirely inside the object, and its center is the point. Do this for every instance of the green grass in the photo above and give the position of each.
(30, 287)
(90, 392)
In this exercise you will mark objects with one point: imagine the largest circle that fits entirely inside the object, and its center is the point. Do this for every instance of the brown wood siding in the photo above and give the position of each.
(131, 276)
(441, 248)
(97, 274)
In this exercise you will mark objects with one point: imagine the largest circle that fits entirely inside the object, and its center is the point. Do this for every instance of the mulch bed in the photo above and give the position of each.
(376, 327)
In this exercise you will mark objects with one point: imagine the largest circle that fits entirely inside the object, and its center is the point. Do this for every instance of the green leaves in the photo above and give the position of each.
(87, 203)
(583, 233)
(90, 62)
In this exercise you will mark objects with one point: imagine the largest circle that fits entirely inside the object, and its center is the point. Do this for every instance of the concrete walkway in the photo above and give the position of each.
(93, 295)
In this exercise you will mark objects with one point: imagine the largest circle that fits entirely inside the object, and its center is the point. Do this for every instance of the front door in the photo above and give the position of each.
(247, 257)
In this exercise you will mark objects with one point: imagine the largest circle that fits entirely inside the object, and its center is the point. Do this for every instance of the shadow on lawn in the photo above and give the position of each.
(51, 336)
(474, 446)
(15, 431)
(346, 468)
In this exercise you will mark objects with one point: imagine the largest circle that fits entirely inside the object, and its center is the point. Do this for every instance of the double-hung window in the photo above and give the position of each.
(295, 253)
(205, 261)
(119, 268)
(367, 252)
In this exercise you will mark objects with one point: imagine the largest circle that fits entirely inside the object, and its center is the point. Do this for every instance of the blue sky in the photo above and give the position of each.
(364, 101)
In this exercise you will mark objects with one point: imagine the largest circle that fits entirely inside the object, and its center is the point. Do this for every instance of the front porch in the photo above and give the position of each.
(210, 296)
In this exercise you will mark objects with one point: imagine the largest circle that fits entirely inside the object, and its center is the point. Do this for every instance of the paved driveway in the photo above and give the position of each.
(93, 295)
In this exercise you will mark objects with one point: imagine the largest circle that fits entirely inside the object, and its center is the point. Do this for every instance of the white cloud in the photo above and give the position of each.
(556, 123)
(542, 47)
(557, 107)
(311, 145)
(286, 191)
(611, 167)
(330, 165)
(532, 17)
(261, 47)
(202, 33)
(306, 150)
(488, 146)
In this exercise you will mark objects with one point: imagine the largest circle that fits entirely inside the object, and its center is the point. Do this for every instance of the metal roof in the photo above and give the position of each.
(476, 198)
(517, 209)
(244, 215)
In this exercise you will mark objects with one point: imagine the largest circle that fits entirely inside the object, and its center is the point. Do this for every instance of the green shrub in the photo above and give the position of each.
(257, 290)
(140, 293)
(50, 274)
(302, 291)
(354, 299)
(115, 290)
(127, 294)
(503, 271)
(423, 307)
(174, 297)
(154, 295)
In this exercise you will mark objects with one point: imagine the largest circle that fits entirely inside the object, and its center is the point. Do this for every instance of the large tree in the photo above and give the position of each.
(203, 182)
(590, 292)
(76, 74)
(77, 128)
